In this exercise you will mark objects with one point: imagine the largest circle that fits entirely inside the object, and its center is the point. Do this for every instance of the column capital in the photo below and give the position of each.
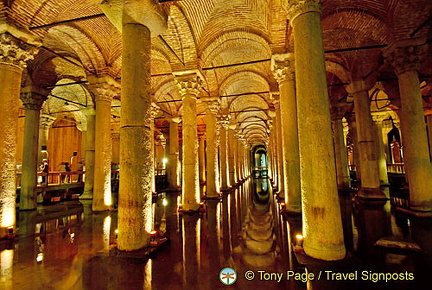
(121, 12)
(152, 111)
(46, 121)
(213, 104)
(13, 50)
(174, 119)
(105, 88)
(359, 86)
(407, 55)
(296, 8)
(188, 82)
(336, 113)
(223, 120)
(283, 67)
(115, 135)
(32, 100)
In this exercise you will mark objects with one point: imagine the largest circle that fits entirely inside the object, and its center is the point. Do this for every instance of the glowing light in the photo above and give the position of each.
(6, 263)
(164, 202)
(106, 230)
(164, 160)
(116, 231)
(299, 239)
(153, 233)
(40, 257)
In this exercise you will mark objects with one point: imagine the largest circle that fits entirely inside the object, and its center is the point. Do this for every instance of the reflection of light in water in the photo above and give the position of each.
(106, 230)
(148, 274)
(6, 257)
(107, 190)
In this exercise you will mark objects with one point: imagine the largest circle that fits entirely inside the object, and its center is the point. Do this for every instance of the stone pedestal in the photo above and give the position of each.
(89, 154)
(406, 59)
(28, 195)
(213, 187)
(104, 88)
(189, 84)
(283, 70)
(322, 225)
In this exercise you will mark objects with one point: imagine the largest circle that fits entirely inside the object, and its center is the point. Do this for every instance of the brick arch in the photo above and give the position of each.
(243, 82)
(168, 91)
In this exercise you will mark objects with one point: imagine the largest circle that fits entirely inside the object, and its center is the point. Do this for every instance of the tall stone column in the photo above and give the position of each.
(213, 107)
(429, 127)
(406, 58)
(104, 88)
(279, 147)
(13, 56)
(89, 153)
(189, 84)
(223, 122)
(154, 110)
(201, 158)
(370, 182)
(382, 162)
(32, 102)
(115, 139)
(231, 153)
(322, 225)
(135, 217)
(341, 156)
(352, 133)
(44, 125)
(283, 70)
(173, 157)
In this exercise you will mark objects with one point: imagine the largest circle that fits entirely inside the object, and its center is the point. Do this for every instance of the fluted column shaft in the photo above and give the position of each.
(322, 225)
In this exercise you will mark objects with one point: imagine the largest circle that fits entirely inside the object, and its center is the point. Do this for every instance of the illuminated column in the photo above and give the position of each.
(201, 158)
(429, 127)
(173, 157)
(223, 122)
(32, 102)
(283, 70)
(239, 162)
(370, 183)
(231, 153)
(279, 147)
(44, 125)
(13, 55)
(382, 162)
(115, 139)
(322, 225)
(189, 84)
(104, 88)
(352, 132)
(135, 218)
(154, 109)
(406, 58)
(341, 156)
(213, 107)
(89, 153)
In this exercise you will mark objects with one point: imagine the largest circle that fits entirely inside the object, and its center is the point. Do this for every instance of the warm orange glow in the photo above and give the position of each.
(153, 233)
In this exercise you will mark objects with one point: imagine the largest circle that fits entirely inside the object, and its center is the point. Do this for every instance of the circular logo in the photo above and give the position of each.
(228, 276)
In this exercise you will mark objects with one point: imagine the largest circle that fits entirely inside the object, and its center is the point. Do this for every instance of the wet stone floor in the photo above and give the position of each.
(66, 246)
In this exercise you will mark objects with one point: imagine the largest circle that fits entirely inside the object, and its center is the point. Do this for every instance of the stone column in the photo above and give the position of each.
(231, 153)
(223, 122)
(406, 59)
(201, 158)
(135, 218)
(429, 127)
(154, 110)
(13, 55)
(115, 139)
(213, 187)
(44, 125)
(89, 153)
(279, 146)
(104, 88)
(370, 183)
(32, 102)
(322, 225)
(173, 157)
(189, 84)
(341, 156)
(283, 70)
(352, 133)
(382, 162)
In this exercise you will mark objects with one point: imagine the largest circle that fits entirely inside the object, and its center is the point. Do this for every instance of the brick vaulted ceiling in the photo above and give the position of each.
(231, 42)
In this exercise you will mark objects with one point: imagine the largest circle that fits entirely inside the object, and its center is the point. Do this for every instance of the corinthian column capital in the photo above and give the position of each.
(213, 104)
(298, 7)
(283, 67)
(32, 101)
(406, 56)
(105, 88)
(15, 51)
(189, 82)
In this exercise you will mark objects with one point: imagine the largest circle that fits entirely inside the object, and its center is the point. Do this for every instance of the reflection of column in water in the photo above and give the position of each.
(226, 231)
(213, 224)
(148, 274)
(6, 269)
(106, 231)
(191, 251)
(232, 218)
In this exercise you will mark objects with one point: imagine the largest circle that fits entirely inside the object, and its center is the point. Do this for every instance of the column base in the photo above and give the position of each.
(173, 189)
(416, 212)
(371, 194)
(86, 195)
(213, 197)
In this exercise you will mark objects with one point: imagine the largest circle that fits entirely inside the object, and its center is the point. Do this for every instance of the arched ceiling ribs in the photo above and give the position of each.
(166, 96)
